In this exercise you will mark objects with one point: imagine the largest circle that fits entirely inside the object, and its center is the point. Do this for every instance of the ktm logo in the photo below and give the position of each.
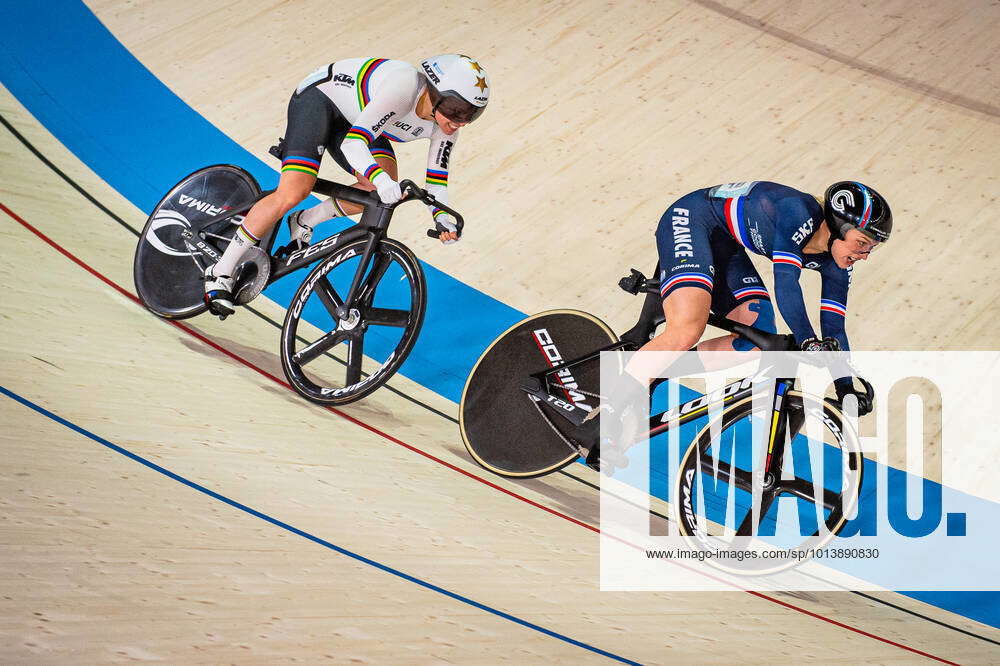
(445, 154)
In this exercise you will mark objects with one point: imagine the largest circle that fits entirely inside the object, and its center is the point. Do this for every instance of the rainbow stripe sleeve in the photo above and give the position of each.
(360, 134)
(303, 164)
(365, 79)
(372, 172)
(384, 153)
(437, 177)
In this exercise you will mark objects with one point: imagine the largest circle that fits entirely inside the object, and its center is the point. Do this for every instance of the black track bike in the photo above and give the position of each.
(365, 295)
(528, 394)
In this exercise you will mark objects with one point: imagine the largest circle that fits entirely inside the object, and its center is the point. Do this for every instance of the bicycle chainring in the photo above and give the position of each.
(254, 274)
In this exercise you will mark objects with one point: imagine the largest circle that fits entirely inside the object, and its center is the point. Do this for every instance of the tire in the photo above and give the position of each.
(317, 362)
(504, 430)
(693, 504)
(167, 270)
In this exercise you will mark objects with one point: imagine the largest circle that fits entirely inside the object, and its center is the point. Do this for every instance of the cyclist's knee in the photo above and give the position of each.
(686, 312)
(289, 198)
(687, 330)
(293, 188)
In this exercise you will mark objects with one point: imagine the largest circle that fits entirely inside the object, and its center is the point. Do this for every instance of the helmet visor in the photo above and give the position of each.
(456, 109)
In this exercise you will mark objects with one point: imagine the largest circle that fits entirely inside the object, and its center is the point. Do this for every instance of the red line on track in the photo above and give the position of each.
(195, 334)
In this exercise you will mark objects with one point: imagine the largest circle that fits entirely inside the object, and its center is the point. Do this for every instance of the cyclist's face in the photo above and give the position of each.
(855, 247)
(447, 125)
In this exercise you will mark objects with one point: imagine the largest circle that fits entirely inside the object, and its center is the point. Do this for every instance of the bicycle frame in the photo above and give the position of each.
(374, 223)
(785, 416)
(650, 318)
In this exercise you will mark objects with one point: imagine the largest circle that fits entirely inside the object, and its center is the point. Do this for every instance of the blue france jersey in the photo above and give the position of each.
(776, 221)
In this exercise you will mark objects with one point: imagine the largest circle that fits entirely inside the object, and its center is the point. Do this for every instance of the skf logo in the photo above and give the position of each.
(430, 73)
(343, 78)
(806, 229)
(384, 120)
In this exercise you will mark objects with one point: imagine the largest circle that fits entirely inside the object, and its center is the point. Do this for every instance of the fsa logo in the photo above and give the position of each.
(803, 231)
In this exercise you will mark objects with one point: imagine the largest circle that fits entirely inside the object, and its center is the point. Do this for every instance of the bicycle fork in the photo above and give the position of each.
(783, 425)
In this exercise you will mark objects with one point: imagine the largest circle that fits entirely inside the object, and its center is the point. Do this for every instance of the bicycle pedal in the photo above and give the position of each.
(218, 309)
(286, 251)
(222, 312)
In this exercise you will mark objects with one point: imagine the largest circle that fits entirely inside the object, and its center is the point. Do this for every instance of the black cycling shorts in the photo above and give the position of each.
(316, 125)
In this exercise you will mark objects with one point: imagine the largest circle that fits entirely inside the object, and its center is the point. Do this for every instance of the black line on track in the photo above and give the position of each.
(27, 144)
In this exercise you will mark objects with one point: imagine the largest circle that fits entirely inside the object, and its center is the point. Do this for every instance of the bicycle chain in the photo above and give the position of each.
(574, 448)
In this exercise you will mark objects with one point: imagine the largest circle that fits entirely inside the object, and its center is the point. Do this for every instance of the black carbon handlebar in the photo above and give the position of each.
(416, 192)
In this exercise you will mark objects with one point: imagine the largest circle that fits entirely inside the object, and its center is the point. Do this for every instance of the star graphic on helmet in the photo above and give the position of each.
(475, 66)
(480, 83)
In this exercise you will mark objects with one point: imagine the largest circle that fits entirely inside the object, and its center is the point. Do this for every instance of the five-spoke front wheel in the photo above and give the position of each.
(324, 343)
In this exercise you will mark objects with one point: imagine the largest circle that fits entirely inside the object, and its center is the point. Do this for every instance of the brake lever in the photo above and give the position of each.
(423, 195)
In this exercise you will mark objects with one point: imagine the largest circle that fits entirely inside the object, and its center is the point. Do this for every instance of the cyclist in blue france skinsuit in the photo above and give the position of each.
(702, 240)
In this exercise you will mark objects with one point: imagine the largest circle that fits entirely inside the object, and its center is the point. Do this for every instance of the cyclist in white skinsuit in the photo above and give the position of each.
(354, 109)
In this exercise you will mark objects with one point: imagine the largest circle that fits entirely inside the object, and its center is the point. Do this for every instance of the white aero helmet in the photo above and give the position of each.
(458, 86)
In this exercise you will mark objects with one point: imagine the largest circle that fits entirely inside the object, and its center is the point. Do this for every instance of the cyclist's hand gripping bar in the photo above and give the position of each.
(410, 190)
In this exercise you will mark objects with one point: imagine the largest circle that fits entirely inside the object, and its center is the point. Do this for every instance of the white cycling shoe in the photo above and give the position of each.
(219, 293)
(298, 232)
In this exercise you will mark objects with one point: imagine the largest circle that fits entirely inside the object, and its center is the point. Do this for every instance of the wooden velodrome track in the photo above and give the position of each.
(367, 534)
